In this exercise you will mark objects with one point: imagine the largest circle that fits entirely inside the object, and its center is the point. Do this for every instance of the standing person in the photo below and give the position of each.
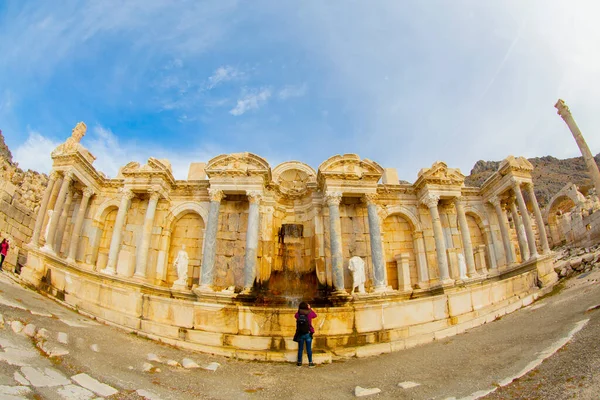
(304, 331)
(3, 250)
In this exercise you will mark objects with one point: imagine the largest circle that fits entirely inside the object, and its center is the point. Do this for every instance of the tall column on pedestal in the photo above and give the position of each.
(491, 246)
(210, 239)
(523, 246)
(592, 167)
(503, 222)
(421, 258)
(465, 235)
(526, 220)
(62, 223)
(87, 194)
(115, 241)
(142, 255)
(251, 239)
(376, 243)
(539, 220)
(431, 201)
(335, 240)
(35, 238)
(58, 207)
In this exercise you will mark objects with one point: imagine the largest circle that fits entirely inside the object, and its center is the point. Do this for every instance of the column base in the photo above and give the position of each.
(422, 285)
(473, 274)
(108, 271)
(179, 286)
(70, 260)
(204, 288)
(48, 249)
(245, 291)
(447, 282)
(140, 277)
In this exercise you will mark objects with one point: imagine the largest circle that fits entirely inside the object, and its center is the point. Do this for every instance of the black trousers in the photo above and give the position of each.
(2, 256)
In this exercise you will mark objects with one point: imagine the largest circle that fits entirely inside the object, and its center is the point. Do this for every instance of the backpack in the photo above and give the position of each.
(302, 324)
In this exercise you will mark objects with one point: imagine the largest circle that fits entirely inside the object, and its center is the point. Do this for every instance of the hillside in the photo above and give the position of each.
(549, 175)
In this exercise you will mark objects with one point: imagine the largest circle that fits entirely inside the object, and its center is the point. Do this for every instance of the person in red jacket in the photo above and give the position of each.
(304, 331)
(3, 250)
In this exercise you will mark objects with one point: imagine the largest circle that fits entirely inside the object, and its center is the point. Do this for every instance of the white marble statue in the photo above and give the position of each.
(357, 267)
(462, 266)
(48, 225)
(181, 266)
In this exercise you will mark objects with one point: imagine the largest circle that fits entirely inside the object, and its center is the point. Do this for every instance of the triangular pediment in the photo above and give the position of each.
(440, 174)
(512, 163)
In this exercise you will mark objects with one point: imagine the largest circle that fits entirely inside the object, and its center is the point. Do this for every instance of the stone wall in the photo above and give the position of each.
(16, 223)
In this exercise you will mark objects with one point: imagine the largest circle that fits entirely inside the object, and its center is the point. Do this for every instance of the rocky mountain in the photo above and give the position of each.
(4, 151)
(549, 175)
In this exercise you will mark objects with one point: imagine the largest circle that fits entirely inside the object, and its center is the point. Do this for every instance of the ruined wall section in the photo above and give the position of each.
(231, 242)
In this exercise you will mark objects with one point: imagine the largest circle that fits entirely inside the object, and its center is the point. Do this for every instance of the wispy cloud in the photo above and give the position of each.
(34, 153)
(251, 101)
(223, 74)
(289, 91)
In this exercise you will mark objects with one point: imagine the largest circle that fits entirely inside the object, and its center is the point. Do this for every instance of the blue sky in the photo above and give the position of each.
(401, 83)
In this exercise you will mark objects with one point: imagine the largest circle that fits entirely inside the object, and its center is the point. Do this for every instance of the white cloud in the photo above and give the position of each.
(251, 101)
(34, 153)
(222, 74)
(289, 91)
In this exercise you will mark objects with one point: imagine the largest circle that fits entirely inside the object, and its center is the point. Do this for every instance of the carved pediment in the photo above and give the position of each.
(350, 167)
(237, 165)
(511, 163)
(294, 179)
(440, 174)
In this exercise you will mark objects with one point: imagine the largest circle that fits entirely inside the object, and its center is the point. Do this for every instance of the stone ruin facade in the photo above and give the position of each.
(438, 257)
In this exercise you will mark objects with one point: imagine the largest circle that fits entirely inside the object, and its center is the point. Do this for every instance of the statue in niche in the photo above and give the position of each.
(50, 212)
(181, 266)
(462, 266)
(357, 267)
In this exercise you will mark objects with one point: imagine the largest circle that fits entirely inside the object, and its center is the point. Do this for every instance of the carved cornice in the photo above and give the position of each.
(216, 194)
(238, 165)
(349, 167)
(440, 174)
(333, 198)
(430, 200)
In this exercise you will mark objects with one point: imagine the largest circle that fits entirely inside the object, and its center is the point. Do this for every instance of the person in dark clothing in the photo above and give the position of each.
(3, 251)
(304, 331)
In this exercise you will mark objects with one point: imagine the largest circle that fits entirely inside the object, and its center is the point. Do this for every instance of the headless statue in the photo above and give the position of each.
(357, 267)
(181, 266)
(462, 266)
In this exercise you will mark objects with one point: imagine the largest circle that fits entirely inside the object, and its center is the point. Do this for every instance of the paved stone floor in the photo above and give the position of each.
(51, 352)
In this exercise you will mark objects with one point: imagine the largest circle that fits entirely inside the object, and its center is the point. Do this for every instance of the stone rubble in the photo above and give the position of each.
(187, 363)
(95, 386)
(408, 385)
(30, 330)
(212, 366)
(574, 261)
(63, 338)
(17, 326)
(360, 391)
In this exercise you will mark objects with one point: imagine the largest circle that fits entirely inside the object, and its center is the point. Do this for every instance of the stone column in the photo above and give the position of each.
(39, 221)
(431, 201)
(142, 254)
(520, 232)
(539, 220)
(526, 221)
(465, 235)
(254, 198)
(115, 240)
(62, 223)
(491, 248)
(421, 257)
(503, 222)
(75, 236)
(58, 207)
(335, 240)
(592, 167)
(379, 274)
(210, 240)
(403, 272)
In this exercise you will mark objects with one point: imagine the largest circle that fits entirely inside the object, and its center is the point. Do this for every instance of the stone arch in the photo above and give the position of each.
(480, 236)
(174, 235)
(557, 217)
(104, 222)
(104, 208)
(568, 191)
(399, 225)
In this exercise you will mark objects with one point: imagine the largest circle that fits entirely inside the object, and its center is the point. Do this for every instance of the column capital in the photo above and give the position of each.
(511, 199)
(127, 193)
(53, 176)
(430, 200)
(369, 198)
(88, 192)
(333, 198)
(460, 200)
(69, 175)
(254, 196)
(154, 193)
(495, 201)
(563, 109)
(216, 195)
(516, 183)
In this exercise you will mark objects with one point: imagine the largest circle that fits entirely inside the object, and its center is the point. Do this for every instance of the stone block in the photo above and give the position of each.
(390, 176)
(197, 171)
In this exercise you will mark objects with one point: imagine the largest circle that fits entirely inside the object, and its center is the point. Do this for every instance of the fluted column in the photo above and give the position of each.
(503, 222)
(35, 238)
(58, 207)
(376, 243)
(465, 235)
(526, 220)
(431, 201)
(62, 223)
(142, 255)
(523, 246)
(115, 241)
(210, 239)
(491, 246)
(254, 198)
(421, 259)
(335, 240)
(76, 235)
(539, 220)
(588, 157)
